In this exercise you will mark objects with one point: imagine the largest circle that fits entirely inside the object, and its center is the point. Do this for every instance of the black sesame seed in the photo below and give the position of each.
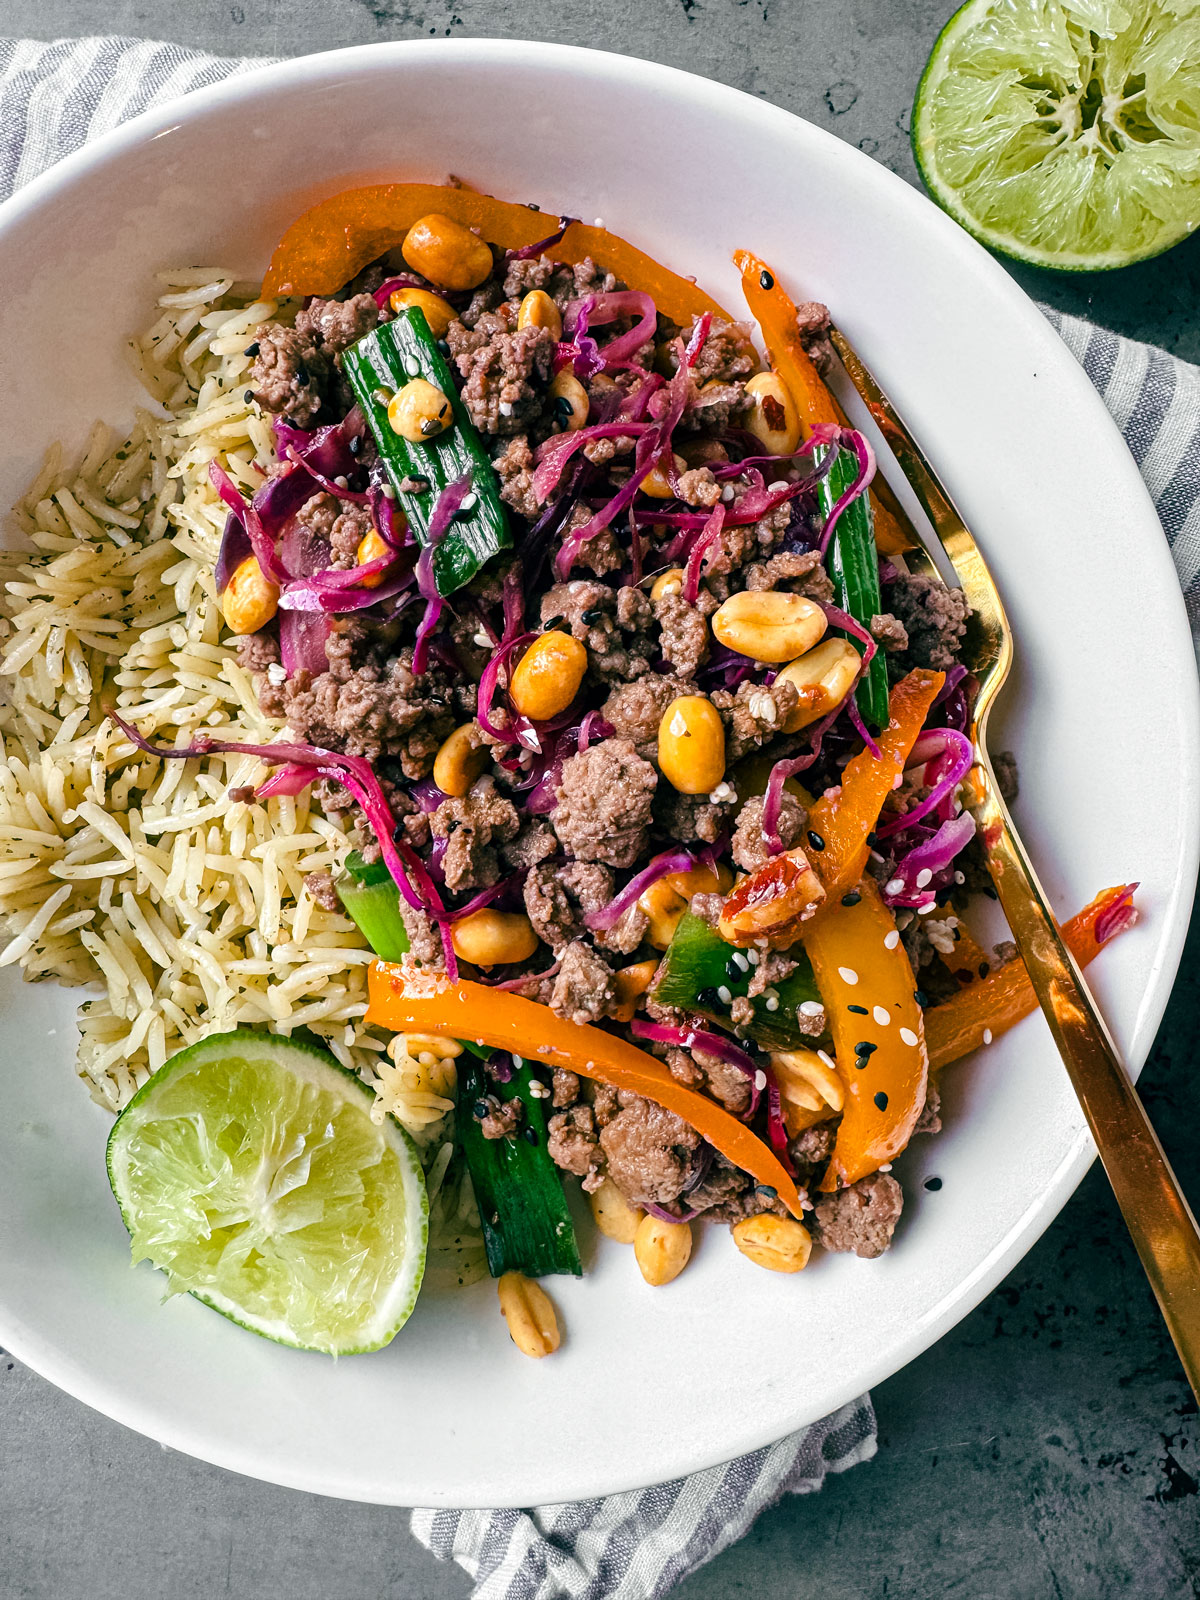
(766, 280)
(732, 970)
(852, 898)
(553, 622)
(248, 396)
(815, 840)
(871, 840)
(881, 1100)
(708, 998)
(859, 1011)
(921, 998)
(933, 1184)
(529, 1134)
(251, 349)
(354, 445)
(443, 347)
(983, 969)
(591, 615)
(481, 1109)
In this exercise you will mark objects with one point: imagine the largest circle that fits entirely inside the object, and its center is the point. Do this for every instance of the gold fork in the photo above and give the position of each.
(1155, 1211)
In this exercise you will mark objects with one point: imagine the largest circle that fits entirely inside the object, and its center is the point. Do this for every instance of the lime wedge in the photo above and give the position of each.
(1065, 133)
(250, 1171)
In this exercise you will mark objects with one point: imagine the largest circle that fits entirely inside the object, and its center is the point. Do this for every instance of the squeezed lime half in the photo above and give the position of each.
(1065, 133)
(249, 1170)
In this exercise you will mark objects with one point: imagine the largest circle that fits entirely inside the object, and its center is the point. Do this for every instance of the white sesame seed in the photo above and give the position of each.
(412, 366)
(482, 640)
(924, 877)
(772, 1002)
(930, 905)
(469, 502)
(388, 491)
(885, 1166)
(811, 1008)
(960, 877)
(908, 1036)
(894, 886)
(276, 674)
(518, 1062)
(752, 957)
(724, 995)
(897, 780)
(342, 482)
(891, 940)
(506, 408)
(599, 223)
(760, 1080)
(827, 1059)
(848, 975)
(727, 493)
(882, 1016)
(740, 961)
(538, 1089)
(987, 1036)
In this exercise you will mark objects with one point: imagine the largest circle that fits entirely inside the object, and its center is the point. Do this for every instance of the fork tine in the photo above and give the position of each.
(991, 642)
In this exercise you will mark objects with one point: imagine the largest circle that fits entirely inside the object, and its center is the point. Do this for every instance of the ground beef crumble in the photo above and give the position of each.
(603, 803)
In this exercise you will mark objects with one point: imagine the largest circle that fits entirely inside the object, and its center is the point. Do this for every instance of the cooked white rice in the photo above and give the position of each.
(138, 876)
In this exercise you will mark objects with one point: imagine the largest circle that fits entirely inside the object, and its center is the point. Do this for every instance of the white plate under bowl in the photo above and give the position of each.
(650, 1383)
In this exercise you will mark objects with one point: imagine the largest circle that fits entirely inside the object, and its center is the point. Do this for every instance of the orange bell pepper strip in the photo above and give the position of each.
(859, 961)
(967, 962)
(339, 236)
(845, 821)
(405, 1000)
(1002, 999)
(775, 314)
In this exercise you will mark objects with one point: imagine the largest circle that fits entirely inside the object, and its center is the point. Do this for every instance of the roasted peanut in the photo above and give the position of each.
(772, 903)
(548, 675)
(656, 483)
(419, 411)
(701, 880)
(614, 1215)
(439, 313)
(249, 600)
(371, 546)
(459, 761)
(539, 311)
(629, 984)
(810, 1089)
(691, 745)
(772, 418)
(571, 403)
(446, 253)
(768, 624)
(489, 938)
(822, 678)
(704, 452)
(662, 1249)
(529, 1312)
(668, 582)
(663, 906)
(781, 1244)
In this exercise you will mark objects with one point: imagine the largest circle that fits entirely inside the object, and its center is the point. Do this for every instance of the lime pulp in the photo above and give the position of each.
(249, 1170)
(1065, 133)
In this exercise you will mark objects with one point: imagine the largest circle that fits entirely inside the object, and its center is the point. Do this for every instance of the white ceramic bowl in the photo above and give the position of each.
(1103, 712)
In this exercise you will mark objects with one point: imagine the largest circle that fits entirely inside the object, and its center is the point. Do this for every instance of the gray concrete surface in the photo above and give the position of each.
(1045, 1448)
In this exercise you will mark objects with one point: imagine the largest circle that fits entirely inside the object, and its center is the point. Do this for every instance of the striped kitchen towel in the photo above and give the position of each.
(637, 1545)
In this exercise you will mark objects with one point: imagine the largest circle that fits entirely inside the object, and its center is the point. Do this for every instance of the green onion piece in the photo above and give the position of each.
(372, 901)
(853, 564)
(526, 1224)
(378, 365)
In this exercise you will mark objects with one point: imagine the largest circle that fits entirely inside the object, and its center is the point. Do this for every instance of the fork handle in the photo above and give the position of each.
(1157, 1215)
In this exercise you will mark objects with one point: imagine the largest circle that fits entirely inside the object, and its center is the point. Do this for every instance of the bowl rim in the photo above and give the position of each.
(34, 1349)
